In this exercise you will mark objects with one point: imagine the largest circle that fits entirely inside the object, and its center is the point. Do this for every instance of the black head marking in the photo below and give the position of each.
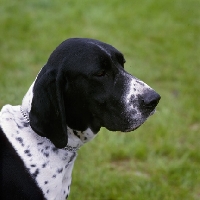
(56, 100)
(47, 115)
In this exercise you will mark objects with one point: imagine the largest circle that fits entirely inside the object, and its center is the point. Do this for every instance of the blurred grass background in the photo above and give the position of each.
(161, 43)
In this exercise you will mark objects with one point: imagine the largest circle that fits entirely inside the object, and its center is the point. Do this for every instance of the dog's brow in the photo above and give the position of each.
(102, 48)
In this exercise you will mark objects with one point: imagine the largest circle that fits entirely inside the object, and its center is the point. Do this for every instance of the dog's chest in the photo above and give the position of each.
(49, 166)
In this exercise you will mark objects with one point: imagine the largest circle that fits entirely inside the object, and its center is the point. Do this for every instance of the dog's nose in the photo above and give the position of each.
(150, 99)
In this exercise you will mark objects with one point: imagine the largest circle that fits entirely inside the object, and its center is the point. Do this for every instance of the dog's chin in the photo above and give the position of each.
(151, 113)
(133, 127)
(125, 129)
(131, 124)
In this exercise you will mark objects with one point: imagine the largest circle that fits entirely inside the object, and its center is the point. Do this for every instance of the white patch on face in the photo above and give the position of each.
(134, 87)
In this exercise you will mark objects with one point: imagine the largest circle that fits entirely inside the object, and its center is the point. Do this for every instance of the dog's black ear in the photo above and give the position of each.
(47, 115)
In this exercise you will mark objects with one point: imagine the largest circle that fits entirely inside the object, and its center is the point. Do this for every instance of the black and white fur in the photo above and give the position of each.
(82, 88)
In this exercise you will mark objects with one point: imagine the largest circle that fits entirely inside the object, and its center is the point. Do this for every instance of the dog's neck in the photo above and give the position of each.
(75, 138)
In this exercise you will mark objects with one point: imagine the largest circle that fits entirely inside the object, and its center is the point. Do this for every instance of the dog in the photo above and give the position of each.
(82, 87)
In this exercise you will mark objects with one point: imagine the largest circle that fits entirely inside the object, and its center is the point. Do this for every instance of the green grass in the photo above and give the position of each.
(161, 43)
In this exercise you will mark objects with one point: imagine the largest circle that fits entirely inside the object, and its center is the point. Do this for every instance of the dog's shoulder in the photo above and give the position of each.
(13, 172)
(29, 159)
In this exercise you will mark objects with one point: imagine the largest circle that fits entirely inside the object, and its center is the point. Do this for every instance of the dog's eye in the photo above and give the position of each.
(101, 73)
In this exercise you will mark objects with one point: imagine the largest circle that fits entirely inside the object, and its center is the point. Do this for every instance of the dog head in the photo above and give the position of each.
(84, 85)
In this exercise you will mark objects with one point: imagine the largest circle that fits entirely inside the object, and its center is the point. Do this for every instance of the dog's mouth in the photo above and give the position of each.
(129, 121)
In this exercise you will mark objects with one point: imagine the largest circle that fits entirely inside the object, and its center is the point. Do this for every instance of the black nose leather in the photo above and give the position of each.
(150, 99)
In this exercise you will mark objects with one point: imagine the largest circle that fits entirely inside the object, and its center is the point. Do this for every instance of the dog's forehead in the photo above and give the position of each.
(85, 46)
(90, 42)
(103, 49)
(84, 53)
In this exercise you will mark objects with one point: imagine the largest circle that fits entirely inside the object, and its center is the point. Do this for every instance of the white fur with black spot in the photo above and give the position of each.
(49, 166)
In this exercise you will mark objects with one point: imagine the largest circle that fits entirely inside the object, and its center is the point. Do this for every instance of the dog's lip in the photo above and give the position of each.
(151, 113)
(136, 127)
(132, 129)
